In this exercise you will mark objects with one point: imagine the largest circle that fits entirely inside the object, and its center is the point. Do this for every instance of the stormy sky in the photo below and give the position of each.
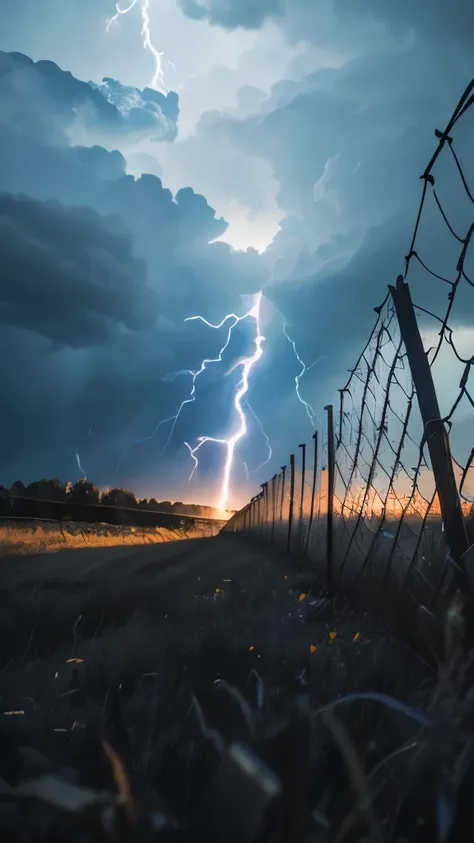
(283, 154)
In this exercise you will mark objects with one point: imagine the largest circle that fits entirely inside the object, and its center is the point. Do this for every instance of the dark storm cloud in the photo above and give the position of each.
(172, 233)
(109, 107)
(67, 274)
(232, 13)
(175, 235)
(307, 18)
(143, 110)
(428, 18)
(88, 339)
(347, 145)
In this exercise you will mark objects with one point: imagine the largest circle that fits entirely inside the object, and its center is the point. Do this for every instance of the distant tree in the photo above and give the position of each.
(153, 505)
(165, 506)
(119, 497)
(5, 501)
(57, 491)
(18, 489)
(84, 492)
(36, 489)
(51, 490)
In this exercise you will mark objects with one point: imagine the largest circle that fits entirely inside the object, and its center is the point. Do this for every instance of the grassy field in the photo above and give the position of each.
(144, 671)
(24, 536)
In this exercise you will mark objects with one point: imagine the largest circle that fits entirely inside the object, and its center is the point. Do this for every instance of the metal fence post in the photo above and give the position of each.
(330, 512)
(261, 508)
(303, 476)
(303, 472)
(292, 500)
(434, 433)
(265, 501)
(274, 486)
(283, 475)
(313, 490)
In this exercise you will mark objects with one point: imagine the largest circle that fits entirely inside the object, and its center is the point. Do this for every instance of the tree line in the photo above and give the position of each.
(85, 492)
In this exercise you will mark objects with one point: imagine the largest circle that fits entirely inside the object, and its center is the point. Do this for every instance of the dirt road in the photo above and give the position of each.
(109, 585)
(223, 556)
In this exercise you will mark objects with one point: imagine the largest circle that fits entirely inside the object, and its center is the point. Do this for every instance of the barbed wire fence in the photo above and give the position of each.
(383, 501)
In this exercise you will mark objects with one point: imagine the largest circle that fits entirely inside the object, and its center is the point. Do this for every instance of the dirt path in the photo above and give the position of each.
(169, 578)
(222, 556)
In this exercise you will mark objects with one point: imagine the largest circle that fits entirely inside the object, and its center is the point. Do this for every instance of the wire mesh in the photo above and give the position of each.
(387, 530)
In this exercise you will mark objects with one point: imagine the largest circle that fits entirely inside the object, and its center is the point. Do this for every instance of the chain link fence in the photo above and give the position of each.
(381, 501)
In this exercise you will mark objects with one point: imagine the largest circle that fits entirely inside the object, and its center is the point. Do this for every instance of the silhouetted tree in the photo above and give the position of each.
(36, 489)
(18, 489)
(119, 497)
(51, 490)
(165, 506)
(57, 491)
(5, 501)
(84, 492)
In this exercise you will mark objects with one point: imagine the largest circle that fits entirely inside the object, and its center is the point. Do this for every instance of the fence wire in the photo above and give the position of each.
(360, 500)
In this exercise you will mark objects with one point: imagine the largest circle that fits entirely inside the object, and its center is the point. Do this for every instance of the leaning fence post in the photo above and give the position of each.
(313, 490)
(283, 474)
(292, 500)
(330, 512)
(434, 432)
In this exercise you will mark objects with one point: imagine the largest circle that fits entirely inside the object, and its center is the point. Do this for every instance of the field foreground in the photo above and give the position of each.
(208, 684)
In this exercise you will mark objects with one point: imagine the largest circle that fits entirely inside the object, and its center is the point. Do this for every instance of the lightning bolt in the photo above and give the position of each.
(310, 411)
(267, 440)
(231, 319)
(246, 364)
(194, 374)
(158, 78)
(79, 465)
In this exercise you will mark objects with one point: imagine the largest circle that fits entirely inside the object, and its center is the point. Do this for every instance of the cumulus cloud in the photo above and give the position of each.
(146, 110)
(347, 144)
(336, 151)
(426, 17)
(106, 108)
(69, 274)
(233, 13)
(98, 295)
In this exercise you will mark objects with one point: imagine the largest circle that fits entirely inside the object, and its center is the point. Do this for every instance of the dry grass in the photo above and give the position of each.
(137, 687)
(29, 536)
